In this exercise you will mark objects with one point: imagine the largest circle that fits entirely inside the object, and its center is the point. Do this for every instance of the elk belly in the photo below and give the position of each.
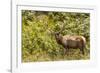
(72, 44)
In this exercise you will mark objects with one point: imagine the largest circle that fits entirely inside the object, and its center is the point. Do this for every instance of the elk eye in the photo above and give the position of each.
(57, 34)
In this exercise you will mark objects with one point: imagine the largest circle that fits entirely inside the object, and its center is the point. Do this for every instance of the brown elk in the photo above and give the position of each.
(68, 41)
(71, 41)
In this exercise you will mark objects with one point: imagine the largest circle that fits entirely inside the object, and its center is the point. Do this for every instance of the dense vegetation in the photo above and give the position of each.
(38, 42)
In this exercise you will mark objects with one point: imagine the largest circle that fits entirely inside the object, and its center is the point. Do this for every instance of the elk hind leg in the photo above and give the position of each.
(82, 50)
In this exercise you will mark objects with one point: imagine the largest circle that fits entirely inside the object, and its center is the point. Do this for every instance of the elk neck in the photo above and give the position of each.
(59, 38)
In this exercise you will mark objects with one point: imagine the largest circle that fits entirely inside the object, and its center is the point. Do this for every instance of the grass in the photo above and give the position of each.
(72, 54)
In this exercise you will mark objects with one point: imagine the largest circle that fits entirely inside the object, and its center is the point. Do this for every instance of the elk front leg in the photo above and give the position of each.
(64, 51)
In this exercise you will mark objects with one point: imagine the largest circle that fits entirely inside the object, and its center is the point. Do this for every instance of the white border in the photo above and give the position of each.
(17, 66)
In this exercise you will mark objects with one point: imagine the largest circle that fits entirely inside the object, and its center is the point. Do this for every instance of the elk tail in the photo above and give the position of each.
(83, 44)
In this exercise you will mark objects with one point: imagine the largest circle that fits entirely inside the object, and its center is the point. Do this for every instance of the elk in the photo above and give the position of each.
(71, 41)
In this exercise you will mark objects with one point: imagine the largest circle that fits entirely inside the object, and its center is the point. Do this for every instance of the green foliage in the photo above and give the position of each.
(39, 44)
